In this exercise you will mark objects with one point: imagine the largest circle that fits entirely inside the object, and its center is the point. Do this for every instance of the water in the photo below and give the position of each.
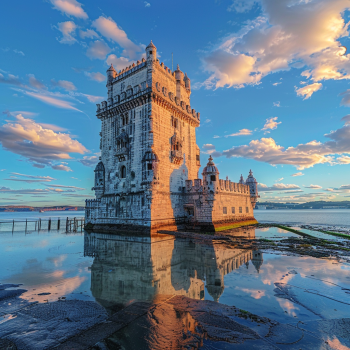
(118, 270)
(34, 215)
(326, 217)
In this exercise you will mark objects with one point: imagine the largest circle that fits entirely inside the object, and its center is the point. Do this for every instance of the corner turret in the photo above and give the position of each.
(253, 187)
(187, 82)
(151, 52)
(111, 74)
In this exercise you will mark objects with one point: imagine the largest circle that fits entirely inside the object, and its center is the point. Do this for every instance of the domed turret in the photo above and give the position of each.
(253, 187)
(257, 259)
(179, 76)
(151, 52)
(210, 174)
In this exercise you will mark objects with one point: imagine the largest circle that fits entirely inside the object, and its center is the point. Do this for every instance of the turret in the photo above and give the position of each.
(241, 180)
(210, 175)
(187, 82)
(99, 180)
(111, 73)
(151, 52)
(257, 259)
(253, 187)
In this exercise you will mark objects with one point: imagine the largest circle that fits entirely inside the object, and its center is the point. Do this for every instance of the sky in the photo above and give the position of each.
(269, 77)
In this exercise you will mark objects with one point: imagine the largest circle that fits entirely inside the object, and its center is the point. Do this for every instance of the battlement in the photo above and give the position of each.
(224, 186)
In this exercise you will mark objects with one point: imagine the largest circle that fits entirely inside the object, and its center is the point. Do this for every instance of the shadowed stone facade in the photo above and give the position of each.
(147, 177)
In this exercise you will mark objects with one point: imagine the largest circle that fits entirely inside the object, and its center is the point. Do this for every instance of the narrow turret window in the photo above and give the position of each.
(212, 178)
(123, 172)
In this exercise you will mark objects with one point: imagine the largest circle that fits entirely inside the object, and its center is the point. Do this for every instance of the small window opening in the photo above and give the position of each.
(149, 166)
(123, 172)
(224, 210)
(212, 178)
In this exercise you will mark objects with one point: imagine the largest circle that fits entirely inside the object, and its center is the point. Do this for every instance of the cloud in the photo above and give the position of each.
(109, 29)
(91, 98)
(302, 156)
(35, 83)
(242, 132)
(97, 76)
(343, 160)
(147, 4)
(277, 104)
(65, 84)
(346, 119)
(89, 160)
(68, 32)
(70, 8)
(64, 186)
(37, 144)
(314, 187)
(242, 5)
(308, 90)
(277, 187)
(280, 179)
(286, 34)
(61, 167)
(53, 101)
(271, 124)
(11, 80)
(207, 121)
(30, 178)
(98, 49)
(119, 63)
(24, 191)
(89, 33)
(275, 84)
(298, 174)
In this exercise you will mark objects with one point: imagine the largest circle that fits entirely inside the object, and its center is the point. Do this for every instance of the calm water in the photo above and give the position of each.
(118, 270)
(32, 215)
(327, 217)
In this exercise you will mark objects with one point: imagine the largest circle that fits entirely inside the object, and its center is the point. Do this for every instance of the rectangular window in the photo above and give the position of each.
(233, 210)
(224, 209)
(212, 178)
(240, 210)
(197, 157)
(149, 166)
(247, 210)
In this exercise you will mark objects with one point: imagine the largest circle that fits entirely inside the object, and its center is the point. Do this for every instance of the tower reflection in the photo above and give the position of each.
(131, 268)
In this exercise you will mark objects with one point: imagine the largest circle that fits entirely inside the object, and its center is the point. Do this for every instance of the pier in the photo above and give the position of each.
(49, 224)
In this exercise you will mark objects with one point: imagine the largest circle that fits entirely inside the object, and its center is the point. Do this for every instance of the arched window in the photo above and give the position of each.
(123, 172)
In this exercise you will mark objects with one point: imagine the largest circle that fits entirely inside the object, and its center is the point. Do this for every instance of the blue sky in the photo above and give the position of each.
(269, 77)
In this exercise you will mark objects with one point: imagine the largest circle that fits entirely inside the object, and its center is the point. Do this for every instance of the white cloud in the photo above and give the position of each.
(68, 32)
(53, 101)
(314, 187)
(271, 124)
(286, 34)
(277, 104)
(91, 98)
(39, 145)
(98, 49)
(97, 76)
(343, 160)
(302, 156)
(119, 63)
(70, 8)
(242, 5)
(280, 179)
(109, 29)
(275, 84)
(61, 167)
(308, 90)
(35, 177)
(65, 186)
(147, 4)
(207, 121)
(242, 132)
(89, 33)
(65, 84)
(298, 174)
(11, 80)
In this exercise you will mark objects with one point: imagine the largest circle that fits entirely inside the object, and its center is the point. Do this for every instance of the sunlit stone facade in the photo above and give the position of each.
(147, 177)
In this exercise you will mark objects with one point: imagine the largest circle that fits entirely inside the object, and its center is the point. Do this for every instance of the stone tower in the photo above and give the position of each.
(150, 159)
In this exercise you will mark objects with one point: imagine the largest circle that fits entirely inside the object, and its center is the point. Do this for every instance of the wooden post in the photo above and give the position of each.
(13, 225)
(39, 224)
(74, 226)
(67, 224)
(35, 226)
(49, 224)
(58, 224)
(26, 225)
